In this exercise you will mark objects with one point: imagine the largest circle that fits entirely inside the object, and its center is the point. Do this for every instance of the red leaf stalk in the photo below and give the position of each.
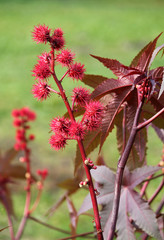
(120, 170)
(82, 150)
(28, 197)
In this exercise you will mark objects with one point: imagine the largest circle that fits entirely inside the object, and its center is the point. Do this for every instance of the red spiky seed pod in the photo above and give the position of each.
(41, 34)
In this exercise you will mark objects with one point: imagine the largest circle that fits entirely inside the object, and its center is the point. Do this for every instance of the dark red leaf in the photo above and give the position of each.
(140, 174)
(141, 137)
(93, 80)
(71, 184)
(6, 159)
(135, 61)
(155, 52)
(117, 68)
(149, 111)
(5, 198)
(157, 73)
(141, 213)
(133, 159)
(158, 104)
(108, 86)
(16, 171)
(111, 110)
(124, 226)
(159, 132)
(146, 56)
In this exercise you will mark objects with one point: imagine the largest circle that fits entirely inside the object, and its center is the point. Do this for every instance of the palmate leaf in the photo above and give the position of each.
(141, 137)
(141, 213)
(108, 86)
(148, 112)
(93, 80)
(131, 204)
(132, 162)
(158, 104)
(159, 132)
(111, 110)
(117, 68)
(125, 229)
(137, 156)
(6, 200)
(145, 57)
(6, 158)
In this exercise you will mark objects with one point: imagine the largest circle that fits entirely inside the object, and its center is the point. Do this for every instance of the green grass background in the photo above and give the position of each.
(115, 29)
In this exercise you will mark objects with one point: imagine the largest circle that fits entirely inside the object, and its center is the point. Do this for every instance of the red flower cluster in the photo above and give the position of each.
(57, 40)
(80, 96)
(76, 71)
(41, 90)
(21, 118)
(43, 173)
(65, 58)
(57, 141)
(63, 128)
(60, 125)
(41, 70)
(41, 34)
(93, 115)
(77, 130)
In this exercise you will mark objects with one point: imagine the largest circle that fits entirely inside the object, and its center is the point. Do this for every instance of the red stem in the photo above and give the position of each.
(144, 124)
(160, 187)
(143, 189)
(28, 197)
(77, 236)
(82, 150)
(120, 170)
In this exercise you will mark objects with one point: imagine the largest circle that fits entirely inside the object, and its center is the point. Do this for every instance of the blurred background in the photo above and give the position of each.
(114, 29)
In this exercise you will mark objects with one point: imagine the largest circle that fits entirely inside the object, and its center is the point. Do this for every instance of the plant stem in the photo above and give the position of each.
(120, 170)
(48, 225)
(152, 178)
(143, 189)
(82, 151)
(28, 197)
(144, 124)
(160, 187)
(78, 235)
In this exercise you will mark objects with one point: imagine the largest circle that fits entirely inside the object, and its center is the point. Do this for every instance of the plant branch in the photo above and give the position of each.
(144, 124)
(120, 170)
(48, 225)
(82, 151)
(152, 178)
(28, 197)
(78, 235)
(146, 182)
(160, 187)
